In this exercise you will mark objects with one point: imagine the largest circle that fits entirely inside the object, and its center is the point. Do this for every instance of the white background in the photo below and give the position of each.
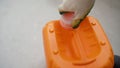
(21, 23)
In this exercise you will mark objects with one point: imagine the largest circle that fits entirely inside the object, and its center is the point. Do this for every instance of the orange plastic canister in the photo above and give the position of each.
(84, 47)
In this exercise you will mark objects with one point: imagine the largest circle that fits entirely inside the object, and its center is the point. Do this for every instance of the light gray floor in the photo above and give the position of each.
(21, 23)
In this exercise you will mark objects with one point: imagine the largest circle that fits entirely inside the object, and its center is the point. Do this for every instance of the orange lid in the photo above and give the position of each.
(84, 47)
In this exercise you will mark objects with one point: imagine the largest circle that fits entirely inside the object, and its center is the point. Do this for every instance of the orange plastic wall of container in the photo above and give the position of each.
(84, 47)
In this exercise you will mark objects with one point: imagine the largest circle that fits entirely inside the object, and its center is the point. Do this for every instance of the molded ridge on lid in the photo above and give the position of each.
(86, 46)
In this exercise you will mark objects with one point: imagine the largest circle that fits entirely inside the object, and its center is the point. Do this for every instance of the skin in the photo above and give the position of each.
(81, 9)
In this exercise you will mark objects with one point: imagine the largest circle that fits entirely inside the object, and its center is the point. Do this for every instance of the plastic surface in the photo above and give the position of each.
(84, 47)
